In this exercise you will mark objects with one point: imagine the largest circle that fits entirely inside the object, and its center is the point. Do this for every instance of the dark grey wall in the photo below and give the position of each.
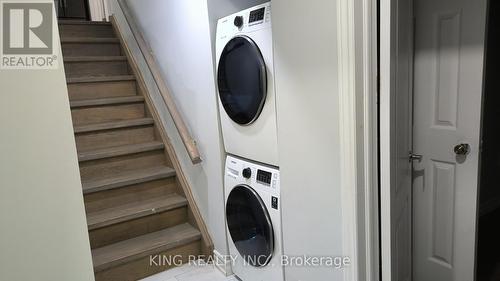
(490, 155)
(488, 244)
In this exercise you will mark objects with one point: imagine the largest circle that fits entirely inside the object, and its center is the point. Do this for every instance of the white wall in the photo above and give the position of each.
(43, 229)
(305, 55)
(179, 34)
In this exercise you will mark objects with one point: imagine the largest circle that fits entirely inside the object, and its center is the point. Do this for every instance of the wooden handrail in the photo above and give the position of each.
(187, 139)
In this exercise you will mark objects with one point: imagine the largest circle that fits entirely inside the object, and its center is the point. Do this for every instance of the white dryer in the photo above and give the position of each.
(245, 82)
(253, 219)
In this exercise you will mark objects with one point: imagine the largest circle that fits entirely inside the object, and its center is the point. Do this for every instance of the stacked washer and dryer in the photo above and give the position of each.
(247, 103)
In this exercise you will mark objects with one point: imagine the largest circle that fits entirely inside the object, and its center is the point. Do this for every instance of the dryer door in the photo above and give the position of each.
(242, 80)
(250, 225)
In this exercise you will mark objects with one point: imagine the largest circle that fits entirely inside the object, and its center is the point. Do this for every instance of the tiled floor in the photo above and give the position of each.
(191, 272)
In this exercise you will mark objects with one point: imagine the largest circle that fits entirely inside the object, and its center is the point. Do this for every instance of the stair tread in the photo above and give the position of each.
(114, 151)
(110, 213)
(128, 178)
(134, 210)
(80, 22)
(143, 246)
(106, 101)
(94, 58)
(90, 79)
(103, 40)
(113, 125)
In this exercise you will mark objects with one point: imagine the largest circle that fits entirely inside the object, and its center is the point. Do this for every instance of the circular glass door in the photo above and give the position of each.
(242, 80)
(250, 225)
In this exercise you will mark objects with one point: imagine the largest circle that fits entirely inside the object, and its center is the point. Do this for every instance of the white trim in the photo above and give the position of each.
(223, 263)
(348, 141)
(99, 10)
(357, 60)
(386, 100)
(368, 140)
(96, 8)
(106, 8)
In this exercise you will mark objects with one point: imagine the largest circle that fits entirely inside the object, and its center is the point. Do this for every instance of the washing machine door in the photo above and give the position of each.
(242, 80)
(250, 225)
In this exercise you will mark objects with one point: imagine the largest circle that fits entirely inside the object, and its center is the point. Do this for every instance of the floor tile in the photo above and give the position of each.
(170, 274)
(191, 272)
(202, 273)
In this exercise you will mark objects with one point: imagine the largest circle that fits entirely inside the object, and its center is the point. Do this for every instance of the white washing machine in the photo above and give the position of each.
(253, 217)
(245, 82)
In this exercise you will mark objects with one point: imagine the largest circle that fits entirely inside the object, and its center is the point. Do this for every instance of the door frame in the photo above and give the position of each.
(387, 94)
(388, 12)
(357, 52)
(366, 97)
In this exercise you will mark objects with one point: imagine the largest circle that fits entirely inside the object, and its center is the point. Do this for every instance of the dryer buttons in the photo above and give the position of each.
(274, 202)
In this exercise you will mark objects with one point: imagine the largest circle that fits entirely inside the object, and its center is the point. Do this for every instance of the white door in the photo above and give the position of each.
(448, 74)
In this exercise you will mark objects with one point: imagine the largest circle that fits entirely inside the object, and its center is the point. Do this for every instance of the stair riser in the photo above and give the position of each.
(142, 268)
(99, 114)
(97, 68)
(94, 90)
(115, 197)
(91, 49)
(137, 227)
(117, 137)
(105, 168)
(92, 30)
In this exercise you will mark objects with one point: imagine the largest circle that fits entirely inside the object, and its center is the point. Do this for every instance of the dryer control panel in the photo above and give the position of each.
(249, 20)
(257, 15)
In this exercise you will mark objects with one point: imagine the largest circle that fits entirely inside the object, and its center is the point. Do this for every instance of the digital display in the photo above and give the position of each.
(264, 177)
(257, 15)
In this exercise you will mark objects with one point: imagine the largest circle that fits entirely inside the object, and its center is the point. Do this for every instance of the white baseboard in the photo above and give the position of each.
(223, 263)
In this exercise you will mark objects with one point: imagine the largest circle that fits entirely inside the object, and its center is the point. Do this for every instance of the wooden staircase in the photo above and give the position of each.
(134, 202)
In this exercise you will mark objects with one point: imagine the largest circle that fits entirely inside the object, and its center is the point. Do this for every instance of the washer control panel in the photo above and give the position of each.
(253, 174)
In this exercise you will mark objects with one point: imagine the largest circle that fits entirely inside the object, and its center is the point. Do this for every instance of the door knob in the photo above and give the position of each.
(461, 149)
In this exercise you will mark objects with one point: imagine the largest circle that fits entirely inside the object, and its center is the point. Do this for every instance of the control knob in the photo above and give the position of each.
(238, 21)
(247, 173)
